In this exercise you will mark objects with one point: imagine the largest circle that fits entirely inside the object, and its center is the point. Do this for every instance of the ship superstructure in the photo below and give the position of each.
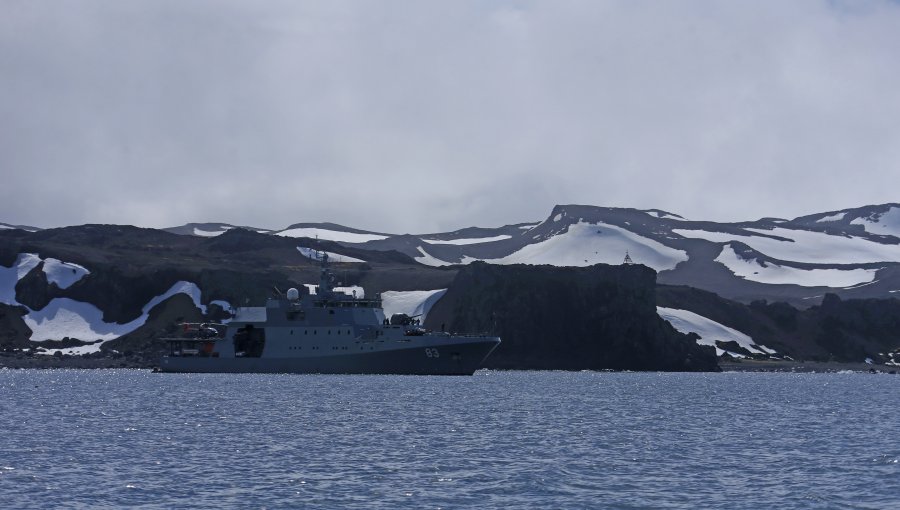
(323, 332)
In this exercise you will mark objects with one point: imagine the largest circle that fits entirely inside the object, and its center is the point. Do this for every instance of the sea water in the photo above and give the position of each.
(114, 438)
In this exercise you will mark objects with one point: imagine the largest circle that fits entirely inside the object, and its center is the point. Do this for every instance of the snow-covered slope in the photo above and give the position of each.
(330, 235)
(63, 274)
(64, 317)
(10, 276)
(756, 270)
(710, 331)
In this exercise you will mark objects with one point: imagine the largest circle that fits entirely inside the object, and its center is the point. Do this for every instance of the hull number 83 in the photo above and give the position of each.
(432, 352)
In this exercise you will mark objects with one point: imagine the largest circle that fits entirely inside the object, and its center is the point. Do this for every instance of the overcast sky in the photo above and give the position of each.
(423, 116)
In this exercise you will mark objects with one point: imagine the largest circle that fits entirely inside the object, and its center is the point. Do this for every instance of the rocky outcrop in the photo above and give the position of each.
(597, 317)
(837, 330)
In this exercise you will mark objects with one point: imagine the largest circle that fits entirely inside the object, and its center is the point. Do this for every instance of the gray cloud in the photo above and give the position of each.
(423, 116)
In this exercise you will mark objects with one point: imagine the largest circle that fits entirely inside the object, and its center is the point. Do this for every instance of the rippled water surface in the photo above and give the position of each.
(113, 438)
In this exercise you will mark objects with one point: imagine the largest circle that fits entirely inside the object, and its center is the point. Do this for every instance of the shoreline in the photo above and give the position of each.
(805, 366)
(40, 362)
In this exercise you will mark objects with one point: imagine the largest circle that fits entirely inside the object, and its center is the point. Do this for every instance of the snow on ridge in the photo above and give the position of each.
(10, 276)
(63, 274)
(427, 259)
(210, 233)
(330, 235)
(775, 274)
(412, 302)
(313, 254)
(804, 245)
(585, 244)
(710, 331)
(65, 317)
(474, 240)
(664, 215)
(886, 223)
(834, 217)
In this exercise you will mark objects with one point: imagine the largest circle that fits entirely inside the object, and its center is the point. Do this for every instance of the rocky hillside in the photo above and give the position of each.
(598, 317)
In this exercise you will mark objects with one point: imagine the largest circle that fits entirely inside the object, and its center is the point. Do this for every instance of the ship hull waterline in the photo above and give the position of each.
(461, 359)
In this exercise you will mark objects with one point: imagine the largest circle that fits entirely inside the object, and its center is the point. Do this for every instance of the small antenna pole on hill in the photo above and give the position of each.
(628, 261)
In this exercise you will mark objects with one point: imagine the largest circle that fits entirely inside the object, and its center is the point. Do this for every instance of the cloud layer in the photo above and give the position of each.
(409, 116)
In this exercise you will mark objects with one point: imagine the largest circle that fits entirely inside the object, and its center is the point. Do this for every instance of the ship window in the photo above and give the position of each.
(292, 331)
(329, 331)
(314, 331)
(330, 312)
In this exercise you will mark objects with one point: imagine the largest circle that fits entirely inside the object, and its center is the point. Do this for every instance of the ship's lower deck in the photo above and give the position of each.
(457, 358)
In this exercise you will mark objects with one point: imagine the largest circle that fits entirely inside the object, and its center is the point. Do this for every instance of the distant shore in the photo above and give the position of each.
(83, 362)
(803, 366)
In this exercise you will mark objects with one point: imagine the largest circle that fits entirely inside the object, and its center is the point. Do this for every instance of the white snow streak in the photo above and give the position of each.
(469, 241)
(771, 273)
(709, 331)
(330, 235)
(806, 246)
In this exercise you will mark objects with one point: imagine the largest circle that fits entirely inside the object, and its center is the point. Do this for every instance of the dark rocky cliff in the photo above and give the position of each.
(569, 318)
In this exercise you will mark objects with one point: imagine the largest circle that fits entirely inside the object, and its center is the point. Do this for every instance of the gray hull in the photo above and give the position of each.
(456, 359)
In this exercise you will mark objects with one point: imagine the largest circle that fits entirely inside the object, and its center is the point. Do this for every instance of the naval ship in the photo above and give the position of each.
(329, 332)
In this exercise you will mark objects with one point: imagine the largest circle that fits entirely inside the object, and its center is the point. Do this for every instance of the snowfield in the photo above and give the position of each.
(710, 331)
(330, 235)
(476, 240)
(774, 274)
(412, 302)
(210, 233)
(887, 223)
(805, 246)
(63, 274)
(586, 244)
(64, 317)
(10, 276)
(333, 257)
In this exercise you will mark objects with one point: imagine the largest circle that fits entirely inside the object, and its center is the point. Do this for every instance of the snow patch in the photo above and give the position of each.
(774, 274)
(709, 331)
(558, 217)
(331, 235)
(805, 246)
(834, 217)
(469, 241)
(429, 260)
(412, 302)
(313, 254)
(210, 233)
(886, 223)
(10, 276)
(64, 317)
(585, 244)
(63, 274)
